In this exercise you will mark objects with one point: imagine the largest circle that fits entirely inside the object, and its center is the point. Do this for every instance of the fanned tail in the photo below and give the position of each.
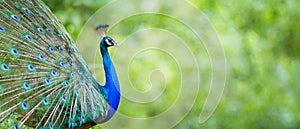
(41, 71)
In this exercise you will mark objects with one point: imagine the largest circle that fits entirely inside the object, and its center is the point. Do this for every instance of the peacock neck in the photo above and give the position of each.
(111, 87)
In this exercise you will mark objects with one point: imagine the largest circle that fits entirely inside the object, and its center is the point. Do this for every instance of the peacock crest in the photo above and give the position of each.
(44, 80)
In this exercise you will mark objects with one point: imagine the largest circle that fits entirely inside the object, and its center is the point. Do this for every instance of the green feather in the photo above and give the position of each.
(41, 80)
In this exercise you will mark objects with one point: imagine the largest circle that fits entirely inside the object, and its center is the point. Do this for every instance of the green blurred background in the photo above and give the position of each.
(261, 43)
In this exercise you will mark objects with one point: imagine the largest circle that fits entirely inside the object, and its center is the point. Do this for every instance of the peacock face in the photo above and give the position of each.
(108, 42)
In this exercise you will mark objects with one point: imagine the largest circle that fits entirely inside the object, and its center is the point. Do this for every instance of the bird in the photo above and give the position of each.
(44, 80)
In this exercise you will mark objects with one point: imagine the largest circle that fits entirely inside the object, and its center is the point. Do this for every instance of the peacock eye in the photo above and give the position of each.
(72, 75)
(41, 57)
(24, 105)
(2, 29)
(15, 17)
(4, 67)
(70, 62)
(14, 52)
(28, 37)
(47, 81)
(45, 101)
(26, 10)
(60, 49)
(49, 30)
(26, 86)
(53, 73)
(41, 30)
(30, 68)
(16, 126)
(51, 49)
(67, 84)
(62, 64)
(64, 98)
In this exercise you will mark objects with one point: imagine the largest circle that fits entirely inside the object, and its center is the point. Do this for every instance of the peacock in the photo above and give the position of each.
(44, 81)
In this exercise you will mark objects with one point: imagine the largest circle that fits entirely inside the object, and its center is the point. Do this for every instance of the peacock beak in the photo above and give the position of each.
(116, 44)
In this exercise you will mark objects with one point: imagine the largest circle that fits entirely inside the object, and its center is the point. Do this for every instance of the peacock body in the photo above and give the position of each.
(44, 80)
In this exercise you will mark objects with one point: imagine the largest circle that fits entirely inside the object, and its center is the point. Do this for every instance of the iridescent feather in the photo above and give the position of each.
(44, 80)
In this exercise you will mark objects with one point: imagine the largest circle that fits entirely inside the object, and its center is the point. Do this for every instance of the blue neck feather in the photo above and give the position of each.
(111, 87)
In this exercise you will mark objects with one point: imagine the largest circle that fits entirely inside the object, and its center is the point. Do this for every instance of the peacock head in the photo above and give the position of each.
(106, 40)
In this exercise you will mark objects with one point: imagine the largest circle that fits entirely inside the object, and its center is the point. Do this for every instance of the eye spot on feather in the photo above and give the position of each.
(62, 64)
(60, 49)
(4, 67)
(2, 29)
(69, 51)
(64, 98)
(41, 57)
(71, 75)
(29, 38)
(61, 37)
(40, 30)
(70, 62)
(66, 83)
(49, 30)
(16, 126)
(15, 17)
(26, 86)
(24, 105)
(30, 67)
(53, 73)
(14, 52)
(45, 101)
(50, 125)
(47, 81)
(51, 49)
(26, 10)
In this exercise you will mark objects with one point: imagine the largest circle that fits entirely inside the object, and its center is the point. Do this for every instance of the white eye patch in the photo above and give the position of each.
(107, 42)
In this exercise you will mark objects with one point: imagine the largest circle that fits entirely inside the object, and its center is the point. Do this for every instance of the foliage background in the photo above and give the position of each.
(261, 42)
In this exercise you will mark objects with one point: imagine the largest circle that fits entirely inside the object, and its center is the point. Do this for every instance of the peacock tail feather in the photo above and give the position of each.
(43, 77)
